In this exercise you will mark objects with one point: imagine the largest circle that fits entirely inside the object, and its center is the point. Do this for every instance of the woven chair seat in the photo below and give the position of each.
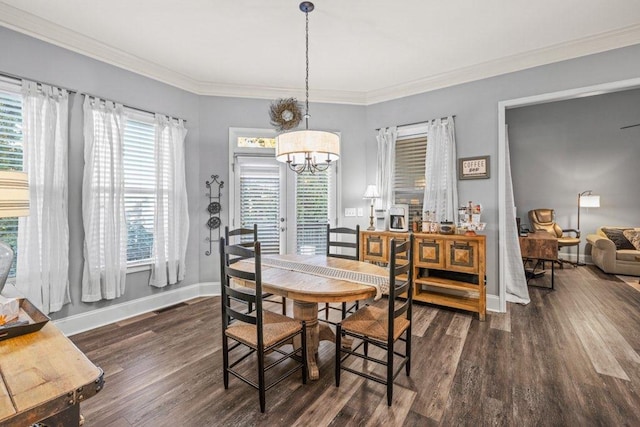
(276, 328)
(371, 322)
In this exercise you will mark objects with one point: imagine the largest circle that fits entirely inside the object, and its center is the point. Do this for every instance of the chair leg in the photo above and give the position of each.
(389, 374)
(225, 361)
(344, 310)
(261, 380)
(366, 348)
(326, 311)
(338, 352)
(305, 367)
(250, 307)
(284, 306)
(407, 367)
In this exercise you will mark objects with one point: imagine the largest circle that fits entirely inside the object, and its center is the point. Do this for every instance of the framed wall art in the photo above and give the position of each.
(473, 167)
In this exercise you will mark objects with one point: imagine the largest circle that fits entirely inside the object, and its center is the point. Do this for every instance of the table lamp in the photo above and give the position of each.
(14, 202)
(371, 193)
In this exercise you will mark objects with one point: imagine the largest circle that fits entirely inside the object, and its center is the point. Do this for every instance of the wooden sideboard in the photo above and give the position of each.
(448, 270)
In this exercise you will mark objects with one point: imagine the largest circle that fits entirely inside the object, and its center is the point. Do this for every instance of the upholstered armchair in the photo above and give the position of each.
(544, 220)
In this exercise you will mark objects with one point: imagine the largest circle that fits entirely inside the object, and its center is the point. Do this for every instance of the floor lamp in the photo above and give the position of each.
(586, 199)
(14, 201)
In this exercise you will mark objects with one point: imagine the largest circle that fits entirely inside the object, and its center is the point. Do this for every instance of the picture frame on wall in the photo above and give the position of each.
(473, 167)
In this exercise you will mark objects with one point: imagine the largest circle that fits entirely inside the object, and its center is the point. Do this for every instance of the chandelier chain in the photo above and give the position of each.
(306, 80)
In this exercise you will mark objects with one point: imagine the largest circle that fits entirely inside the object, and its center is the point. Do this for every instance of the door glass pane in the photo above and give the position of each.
(313, 204)
(260, 204)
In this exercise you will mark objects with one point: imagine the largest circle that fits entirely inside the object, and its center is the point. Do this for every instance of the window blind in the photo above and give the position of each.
(312, 211)
(409, 180)
(139, 187)
(10, 152)
(260, 204)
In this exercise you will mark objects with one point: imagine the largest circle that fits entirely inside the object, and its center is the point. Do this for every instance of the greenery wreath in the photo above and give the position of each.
(285, 113)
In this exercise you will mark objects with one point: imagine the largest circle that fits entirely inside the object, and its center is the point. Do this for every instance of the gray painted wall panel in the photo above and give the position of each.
(40, 61)
(474, 104)
(562, 148)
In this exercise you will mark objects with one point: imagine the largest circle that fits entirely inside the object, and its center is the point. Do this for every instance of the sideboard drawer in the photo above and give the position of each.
(462, 256)
(429, 253)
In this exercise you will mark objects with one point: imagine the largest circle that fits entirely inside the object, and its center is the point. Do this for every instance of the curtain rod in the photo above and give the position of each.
(13, 76)
(418, 123)
(131, 107)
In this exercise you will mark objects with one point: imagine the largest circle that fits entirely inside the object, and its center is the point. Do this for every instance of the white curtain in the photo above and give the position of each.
(42, 272)
(171, 225)
(386, 166)
(441, 189)
(516, 282)
(105, 228)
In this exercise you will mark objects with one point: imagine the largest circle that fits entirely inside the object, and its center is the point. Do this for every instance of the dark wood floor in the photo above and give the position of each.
(569, 358)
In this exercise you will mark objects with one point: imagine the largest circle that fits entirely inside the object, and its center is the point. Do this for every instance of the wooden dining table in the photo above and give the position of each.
(311, 279)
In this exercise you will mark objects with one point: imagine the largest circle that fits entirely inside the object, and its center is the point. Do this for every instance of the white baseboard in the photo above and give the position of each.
(82, 322)
(103, 316)
(493, 303)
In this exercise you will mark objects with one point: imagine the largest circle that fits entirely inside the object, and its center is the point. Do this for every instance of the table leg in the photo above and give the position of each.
(316, 331)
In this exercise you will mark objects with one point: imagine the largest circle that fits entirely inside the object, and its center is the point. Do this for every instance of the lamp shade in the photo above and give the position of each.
(295, 146)
(14, 194)
(371, 192)
(590, 201)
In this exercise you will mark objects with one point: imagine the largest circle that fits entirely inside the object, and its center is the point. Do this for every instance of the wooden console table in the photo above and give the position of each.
(448, 270)
(540, 246)
(44, 379)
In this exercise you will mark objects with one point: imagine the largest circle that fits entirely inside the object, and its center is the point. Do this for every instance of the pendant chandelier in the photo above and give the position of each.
(307, 150)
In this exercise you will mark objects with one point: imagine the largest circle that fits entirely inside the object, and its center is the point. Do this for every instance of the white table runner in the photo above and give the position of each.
(381, 283)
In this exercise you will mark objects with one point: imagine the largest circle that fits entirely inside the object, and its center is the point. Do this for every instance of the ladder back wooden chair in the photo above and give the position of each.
(259, 331)
(382, 326)
(342, 242)
(246, 237)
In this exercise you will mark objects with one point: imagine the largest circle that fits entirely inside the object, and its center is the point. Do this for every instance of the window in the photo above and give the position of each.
(139, 188)
(409, 180)
(10, 152)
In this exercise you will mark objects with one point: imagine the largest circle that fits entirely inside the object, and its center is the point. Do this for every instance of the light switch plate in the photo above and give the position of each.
(360, 212)
(350, 212)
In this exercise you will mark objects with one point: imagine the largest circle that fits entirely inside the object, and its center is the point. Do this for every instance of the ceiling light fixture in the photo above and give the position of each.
(307, 150)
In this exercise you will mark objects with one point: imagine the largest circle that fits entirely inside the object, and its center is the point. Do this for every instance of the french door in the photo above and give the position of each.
(291, 210)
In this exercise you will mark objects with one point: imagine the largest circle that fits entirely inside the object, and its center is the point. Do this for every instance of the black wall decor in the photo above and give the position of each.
(214, 207)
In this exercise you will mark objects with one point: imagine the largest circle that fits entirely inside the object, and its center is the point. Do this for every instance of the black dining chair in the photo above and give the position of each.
(258, 331)
(382, 326)
(342, 242)
(246, 237)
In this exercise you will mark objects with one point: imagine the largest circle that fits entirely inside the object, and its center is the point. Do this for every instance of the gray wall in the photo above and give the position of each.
(475, 105)
(40, 61)
(218, 114)
(208, 122)
(560, 149)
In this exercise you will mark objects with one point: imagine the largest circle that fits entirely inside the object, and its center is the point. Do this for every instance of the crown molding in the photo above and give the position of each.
(560, 52)
(26, 23)
(34, 26)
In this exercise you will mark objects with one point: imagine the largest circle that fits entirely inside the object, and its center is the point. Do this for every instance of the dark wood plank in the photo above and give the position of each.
(527, 367)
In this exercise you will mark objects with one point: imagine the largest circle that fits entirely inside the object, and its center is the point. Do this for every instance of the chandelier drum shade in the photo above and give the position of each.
(307, 150)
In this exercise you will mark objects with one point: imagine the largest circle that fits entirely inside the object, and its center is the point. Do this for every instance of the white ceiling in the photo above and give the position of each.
(361, 51)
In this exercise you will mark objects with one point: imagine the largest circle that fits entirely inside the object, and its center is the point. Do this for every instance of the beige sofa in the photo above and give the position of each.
(611, 260)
